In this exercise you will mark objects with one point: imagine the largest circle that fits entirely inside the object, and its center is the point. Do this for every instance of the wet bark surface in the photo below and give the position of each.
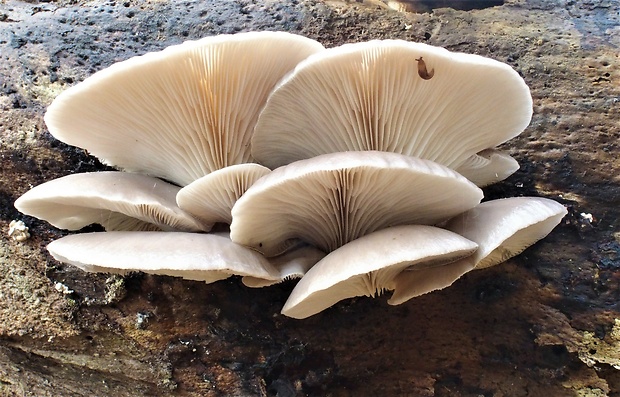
(545, 323)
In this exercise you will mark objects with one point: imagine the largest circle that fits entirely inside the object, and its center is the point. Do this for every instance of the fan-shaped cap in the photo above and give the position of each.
(115, 200)
(292, 264)
(193, 256)
(504, 228)
(369, 265)
(413, 282)
(488, 167)
(393, 96)
(335, 198)
(182, 112)
(211, 197)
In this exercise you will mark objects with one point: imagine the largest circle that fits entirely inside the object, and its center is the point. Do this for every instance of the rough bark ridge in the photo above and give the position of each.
(545, 323)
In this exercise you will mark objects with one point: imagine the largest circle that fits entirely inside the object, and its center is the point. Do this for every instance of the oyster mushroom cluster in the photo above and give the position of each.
(356, 168)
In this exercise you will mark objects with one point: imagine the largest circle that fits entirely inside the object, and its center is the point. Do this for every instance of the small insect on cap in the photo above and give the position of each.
(423, 72)
(392, 96)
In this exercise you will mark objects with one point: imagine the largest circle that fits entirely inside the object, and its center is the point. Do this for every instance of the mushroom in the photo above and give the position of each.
(372, 96)
(180, 113)
(192, 256)
(369, 265)
(292, 264)
(488, 167)
(211, 197)
(335, 198)
(413, 282)
(504, 228)
(115, 200)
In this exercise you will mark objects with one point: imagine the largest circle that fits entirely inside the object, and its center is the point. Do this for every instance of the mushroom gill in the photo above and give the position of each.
(363, 151)
(179, 113)
(333, 199)
(370, 264)
(371, 96)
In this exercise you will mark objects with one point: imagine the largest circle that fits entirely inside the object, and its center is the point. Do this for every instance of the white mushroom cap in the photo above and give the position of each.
(182, 112)
(193, 256)
(211, 197)
(413, 282)
(368, 265)
(115, 200)
(292, 264)
(335, 198)
(394, 96)
(504, 228)
(488, 167)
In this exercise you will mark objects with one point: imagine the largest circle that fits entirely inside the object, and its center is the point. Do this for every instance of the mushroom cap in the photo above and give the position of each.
(182, 112)
(115, 200)
(211, 197)
(488, 167)
(333, 199)
(369, 265)
(414, 282)
(193, 256)
(372, 96)
(504, 228)
(292, 264)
